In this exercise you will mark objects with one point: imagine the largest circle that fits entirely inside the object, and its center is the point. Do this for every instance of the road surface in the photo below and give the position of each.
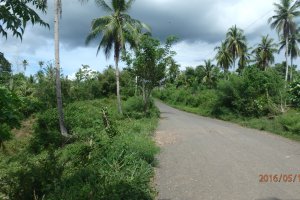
(208, 159)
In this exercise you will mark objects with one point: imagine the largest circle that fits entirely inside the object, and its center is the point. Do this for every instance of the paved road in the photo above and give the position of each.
(207, 159)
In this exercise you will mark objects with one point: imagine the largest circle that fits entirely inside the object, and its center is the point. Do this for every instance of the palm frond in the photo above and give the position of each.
(104, 5)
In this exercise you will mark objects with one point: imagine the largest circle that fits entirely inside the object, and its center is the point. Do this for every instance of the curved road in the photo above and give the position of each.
(208, 159)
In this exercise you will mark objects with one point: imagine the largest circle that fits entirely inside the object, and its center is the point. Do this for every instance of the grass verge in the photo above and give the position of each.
(286, 125)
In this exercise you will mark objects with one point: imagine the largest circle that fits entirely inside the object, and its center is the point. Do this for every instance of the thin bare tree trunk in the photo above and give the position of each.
(291, 72)
(118, 84)
(286, 59)
(136, 86)
(63, 129)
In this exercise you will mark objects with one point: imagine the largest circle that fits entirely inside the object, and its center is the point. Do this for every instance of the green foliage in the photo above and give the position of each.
(252, 94)
(109, 125)
(9, 113)
(5, 70)
(291, 122)
(134, 107)
(97, 163)
(294, 92)
(15, 14)
(29, 177)
(46, 132)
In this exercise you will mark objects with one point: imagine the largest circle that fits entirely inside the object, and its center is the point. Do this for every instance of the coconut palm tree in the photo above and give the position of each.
(115, 29)
(264, 52)
(284, 22)
(244, 59)
(293, 50)
(208, 74)
(223, 57)
(25, 64)
(41, 64)
(235, 42)
(57, 15)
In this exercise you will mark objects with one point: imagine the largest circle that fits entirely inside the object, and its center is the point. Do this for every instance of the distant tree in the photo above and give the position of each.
(25, 64)
(208, 69)
(150, 63)
(15, 14)
(173, 71)
(293, 50)
(284, 23)
(244, 60)
(264, 52)
(235, 42)
(41, 64)
(116, 29)
(223, 57)
(5, 70)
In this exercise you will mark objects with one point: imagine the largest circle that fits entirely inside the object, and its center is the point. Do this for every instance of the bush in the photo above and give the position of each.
(134, 107)
(92, 166)
(295, 93)
(46, 132)
(9, 114)
(291, 122)
(252, 94)
(31, 177)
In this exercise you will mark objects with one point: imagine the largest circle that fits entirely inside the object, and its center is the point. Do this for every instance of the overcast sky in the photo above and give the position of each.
(199, 24)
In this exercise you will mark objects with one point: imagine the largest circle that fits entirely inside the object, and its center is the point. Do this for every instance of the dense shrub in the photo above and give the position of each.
(93, 165)
(134, 107)
(252, 94)
(291, 122)
(295, 93)
(9, 113)
(30, 177)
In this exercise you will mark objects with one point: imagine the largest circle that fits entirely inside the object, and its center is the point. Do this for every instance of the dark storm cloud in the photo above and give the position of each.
(191, 20)
(74, 24)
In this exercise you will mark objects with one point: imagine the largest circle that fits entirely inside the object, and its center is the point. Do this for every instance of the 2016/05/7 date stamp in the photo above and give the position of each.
(279, 178)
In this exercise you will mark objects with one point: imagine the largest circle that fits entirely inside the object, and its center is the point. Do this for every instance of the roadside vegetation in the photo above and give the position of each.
(244, 85)
(90, 137)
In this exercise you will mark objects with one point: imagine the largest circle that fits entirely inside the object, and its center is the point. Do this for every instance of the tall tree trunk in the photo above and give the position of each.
(144, 91)
(286, 59)
(291, 72)
(63, 129)
(234, 60)
(118, 84)
(136, 86)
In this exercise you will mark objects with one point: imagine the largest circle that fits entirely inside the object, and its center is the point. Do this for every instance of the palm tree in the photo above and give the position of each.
(264, 52)
(223, 57)
(115, 29)
(244, 59)
(235, 42)
(41, 64)
(208, 72)
(25, 64)
(57, 15)
(284, 23)
(293, 50)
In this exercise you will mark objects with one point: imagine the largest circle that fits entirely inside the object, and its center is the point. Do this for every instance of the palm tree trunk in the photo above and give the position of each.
(291, 72)
(63, 129)
(136, 86)
(118, 84)
(286, 59)
(234, 60)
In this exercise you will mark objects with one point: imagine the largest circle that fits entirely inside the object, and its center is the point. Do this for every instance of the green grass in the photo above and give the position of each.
(92, 165)
(286, 125)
